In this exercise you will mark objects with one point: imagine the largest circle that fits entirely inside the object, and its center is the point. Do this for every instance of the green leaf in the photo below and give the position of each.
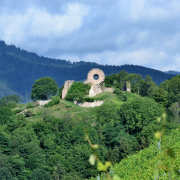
(156, 171)
(115, 177)
(170, 153)
(92, 159)
(102, 167)
(177, 172)
(158, 134)
(95, 146)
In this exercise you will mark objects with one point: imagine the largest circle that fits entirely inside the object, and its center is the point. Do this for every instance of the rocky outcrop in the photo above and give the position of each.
(97, 89)
(67, 85)
(89, 104)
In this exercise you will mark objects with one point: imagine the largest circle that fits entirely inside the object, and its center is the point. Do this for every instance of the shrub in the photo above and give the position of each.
(28, 113)
(46, 112)
(92, 99)
(100, 98)
(88, 99)
(121, 95)
(58, 109)
(5, 115)
(30, 106)
(55, 100)
(17, 111)
(60, 91)
(77, 92)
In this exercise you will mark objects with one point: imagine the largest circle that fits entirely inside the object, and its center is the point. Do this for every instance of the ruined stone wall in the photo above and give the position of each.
(67, 85)
(90, 76)
(127, 87)
(97, 89)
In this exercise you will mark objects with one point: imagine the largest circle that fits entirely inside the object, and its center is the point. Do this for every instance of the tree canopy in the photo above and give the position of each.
(9, 101)
(44, 88)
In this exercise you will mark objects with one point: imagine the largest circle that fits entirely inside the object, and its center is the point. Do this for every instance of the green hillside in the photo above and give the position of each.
(47, 142)
(50, 137)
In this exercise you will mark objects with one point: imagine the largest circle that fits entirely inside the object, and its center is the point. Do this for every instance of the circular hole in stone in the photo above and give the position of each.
(96, 77)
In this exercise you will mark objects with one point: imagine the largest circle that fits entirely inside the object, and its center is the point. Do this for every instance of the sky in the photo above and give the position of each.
(113, 32)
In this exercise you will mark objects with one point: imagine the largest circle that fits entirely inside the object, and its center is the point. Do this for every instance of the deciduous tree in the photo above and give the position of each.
(44, 88)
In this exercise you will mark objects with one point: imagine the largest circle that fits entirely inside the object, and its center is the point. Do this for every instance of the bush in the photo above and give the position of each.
(77, 92)
(92, 99)
(30, 105)
(89, 99)
(100, 98)
(55, 100)
(28, 113)
(47, 115)
(121, 95)
(46, 112)
(17, 111)
(60, 91)
(5, 115)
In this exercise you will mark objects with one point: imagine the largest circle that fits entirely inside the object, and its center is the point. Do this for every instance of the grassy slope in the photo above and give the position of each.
(67, 107)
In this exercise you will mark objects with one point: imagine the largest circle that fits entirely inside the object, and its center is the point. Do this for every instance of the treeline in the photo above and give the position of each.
(167, 93)
(19, 69)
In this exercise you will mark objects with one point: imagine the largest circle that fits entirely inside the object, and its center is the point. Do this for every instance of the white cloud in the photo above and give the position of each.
(147, 57)
(39, 23)
(137, 57)
(137, 10)
(139, 32)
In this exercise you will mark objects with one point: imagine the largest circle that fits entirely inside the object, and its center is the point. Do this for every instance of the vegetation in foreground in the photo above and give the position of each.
(47, 142)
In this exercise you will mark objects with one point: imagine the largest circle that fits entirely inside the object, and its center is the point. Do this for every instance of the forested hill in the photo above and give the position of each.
(19, 69)
(173, 72)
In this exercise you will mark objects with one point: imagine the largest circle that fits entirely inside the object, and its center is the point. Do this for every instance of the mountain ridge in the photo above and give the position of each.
(172, 72)
(20, 68)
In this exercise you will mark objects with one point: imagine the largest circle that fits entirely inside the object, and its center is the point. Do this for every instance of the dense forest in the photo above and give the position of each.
(47, 142)
(19, 69)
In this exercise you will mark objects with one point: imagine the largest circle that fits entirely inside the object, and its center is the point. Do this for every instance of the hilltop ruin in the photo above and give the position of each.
(95, 78)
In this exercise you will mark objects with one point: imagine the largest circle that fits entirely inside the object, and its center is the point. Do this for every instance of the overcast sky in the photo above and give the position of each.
(139, 32)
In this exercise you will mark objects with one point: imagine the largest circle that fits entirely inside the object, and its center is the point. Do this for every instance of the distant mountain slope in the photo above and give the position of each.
(5, 90)
(19, 69)
(172, 72)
